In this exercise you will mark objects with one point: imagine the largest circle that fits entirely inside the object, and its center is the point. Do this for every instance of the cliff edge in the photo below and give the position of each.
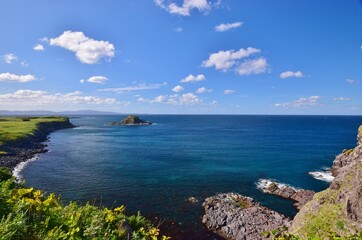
(338, 209)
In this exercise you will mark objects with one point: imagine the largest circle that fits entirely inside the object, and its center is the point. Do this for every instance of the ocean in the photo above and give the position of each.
(155, 169)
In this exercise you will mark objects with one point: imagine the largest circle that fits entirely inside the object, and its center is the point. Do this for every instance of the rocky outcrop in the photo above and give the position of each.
(300, 196)
(236, 217)
(338, 209)
(131, 121)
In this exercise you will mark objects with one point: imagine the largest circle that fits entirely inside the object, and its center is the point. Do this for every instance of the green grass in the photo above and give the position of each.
(17, 128)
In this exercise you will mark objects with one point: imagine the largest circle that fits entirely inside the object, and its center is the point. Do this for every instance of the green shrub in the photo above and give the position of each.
(27, 213)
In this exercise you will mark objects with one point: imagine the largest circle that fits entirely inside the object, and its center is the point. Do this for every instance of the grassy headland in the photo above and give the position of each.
(16, 130)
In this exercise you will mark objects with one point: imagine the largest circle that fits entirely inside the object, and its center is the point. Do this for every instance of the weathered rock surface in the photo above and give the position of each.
(236, 217)
(131, 121)
(300, 196)
(337, 209)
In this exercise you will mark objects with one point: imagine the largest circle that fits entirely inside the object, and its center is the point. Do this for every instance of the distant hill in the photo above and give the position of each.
(43, 112)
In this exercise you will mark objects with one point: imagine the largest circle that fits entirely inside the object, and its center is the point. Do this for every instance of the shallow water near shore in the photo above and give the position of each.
(155, 169)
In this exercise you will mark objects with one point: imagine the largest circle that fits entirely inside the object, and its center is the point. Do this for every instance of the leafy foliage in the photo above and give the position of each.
(27, 213)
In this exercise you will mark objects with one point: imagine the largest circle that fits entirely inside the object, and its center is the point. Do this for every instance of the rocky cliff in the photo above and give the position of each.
(338, 209)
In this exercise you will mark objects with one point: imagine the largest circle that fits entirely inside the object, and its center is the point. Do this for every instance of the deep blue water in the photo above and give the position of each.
(155, 168)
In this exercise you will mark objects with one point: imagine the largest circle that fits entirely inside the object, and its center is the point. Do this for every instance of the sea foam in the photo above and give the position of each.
(17, 170)
(324, 175)
(263, 184)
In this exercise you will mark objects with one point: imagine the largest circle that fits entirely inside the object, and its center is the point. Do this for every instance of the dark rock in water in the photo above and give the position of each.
(300, 196)
(192, 200)
(236, 217)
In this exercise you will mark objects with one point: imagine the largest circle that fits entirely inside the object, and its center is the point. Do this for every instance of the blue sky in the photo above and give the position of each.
(182, 56)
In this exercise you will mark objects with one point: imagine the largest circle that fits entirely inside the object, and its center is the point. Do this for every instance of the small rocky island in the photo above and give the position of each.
(131, 120)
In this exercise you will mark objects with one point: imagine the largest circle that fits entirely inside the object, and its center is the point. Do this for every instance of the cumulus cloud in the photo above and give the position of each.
(177, 88)
(223, 27)
(224, 60)
(228, 91)
(351, 81)
(95, 79)
(341, 99)
(203, 90)
(186, 8)
(191, 78)
(288, 74)
(139, 87)
(300, 102)
(86, 49)
(9, 77)
(38, 47)
(175, 99)
(255, 66)
(30, 99)
(10, 58)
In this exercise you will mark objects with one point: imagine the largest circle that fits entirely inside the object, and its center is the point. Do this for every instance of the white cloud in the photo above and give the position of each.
(224, 60)
(139, 87)
(351, 81)
(191, 78)
(255, 66)
(341, 99)
(9, 77)
(95, 79)
(203, 90)
(186, 8)
(10, 58)
(175, 99)
(179, 29)
(177, 88)
(86, 49)
(228, 91)
(300, 102)
(35, 100)
(288, 74)
(223, 27)
(38, 47)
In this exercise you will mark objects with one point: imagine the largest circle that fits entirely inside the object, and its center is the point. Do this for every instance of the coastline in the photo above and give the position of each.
(27, 148)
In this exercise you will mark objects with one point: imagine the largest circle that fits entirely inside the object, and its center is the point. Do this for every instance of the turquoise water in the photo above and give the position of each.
(155, 168)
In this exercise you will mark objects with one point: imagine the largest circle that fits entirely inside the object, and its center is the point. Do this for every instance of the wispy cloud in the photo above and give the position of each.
(175, 99)
(191, 78)
(10, 77)
(223, 27)
(224, 60)
(228, 91)
(139, 87)
(30, 99)
(10, 58)
(95, 79)
(341, 99)
(288, 74)
(351, 81)
(186, 7)
(300, 102)
(179, 29)
(86, 49)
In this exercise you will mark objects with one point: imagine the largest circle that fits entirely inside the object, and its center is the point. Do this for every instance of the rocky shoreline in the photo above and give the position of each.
(26, 148)
(234, 216)
(335, 211)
